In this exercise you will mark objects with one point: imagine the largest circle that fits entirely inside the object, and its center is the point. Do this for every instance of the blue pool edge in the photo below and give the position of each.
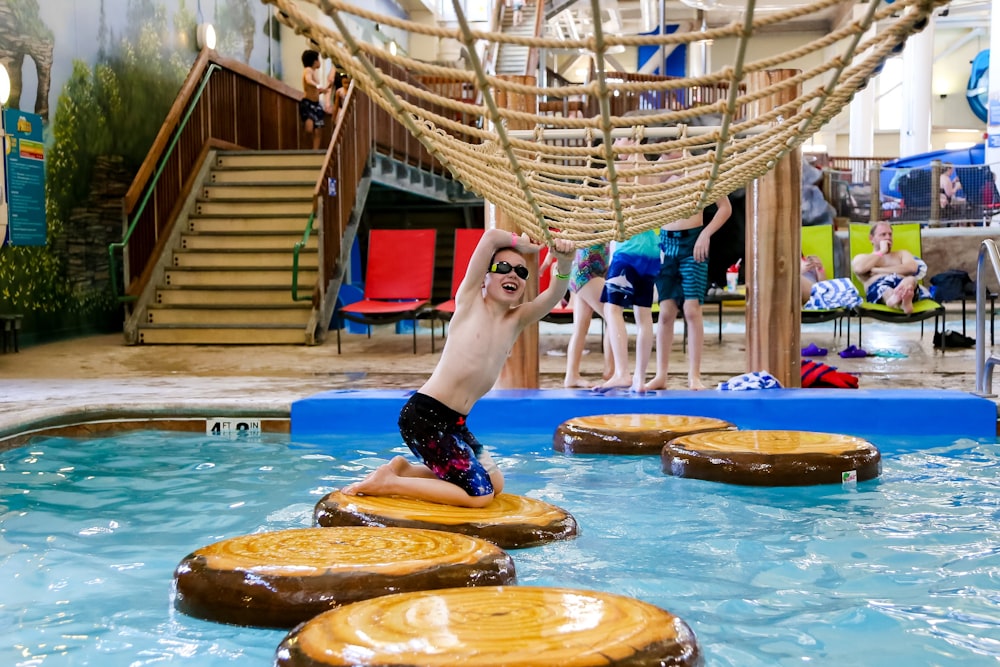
(891, 412)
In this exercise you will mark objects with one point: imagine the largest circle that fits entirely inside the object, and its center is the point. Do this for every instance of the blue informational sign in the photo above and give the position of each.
(24, 160)
(993, 141)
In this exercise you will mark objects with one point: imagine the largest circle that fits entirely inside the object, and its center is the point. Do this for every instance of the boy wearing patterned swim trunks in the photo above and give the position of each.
(489, 316)
(682, 283)
(310, 109)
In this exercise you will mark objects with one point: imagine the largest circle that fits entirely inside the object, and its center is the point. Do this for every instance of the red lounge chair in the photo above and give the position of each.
(466, 241)
(398, 279)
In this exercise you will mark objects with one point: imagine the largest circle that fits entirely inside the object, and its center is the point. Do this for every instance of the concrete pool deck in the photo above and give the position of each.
(99, 377)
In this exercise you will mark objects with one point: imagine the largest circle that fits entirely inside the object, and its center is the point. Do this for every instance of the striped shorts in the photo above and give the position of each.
(681, 277)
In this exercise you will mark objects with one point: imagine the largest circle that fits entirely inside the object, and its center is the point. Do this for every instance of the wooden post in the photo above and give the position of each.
(521, 369)
(773, 252)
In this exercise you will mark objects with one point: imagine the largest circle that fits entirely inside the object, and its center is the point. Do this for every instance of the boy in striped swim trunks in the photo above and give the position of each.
(682, 283)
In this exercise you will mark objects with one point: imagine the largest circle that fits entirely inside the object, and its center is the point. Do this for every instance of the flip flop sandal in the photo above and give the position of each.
(812, 350)
(888, 354)
(852, 352)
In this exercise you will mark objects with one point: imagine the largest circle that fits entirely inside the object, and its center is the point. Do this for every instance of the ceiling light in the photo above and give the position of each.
(206, 36)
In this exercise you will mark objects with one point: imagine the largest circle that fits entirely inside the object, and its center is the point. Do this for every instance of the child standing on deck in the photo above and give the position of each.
(629, 284)
(682, 283)
(310, 109)
(489, 316)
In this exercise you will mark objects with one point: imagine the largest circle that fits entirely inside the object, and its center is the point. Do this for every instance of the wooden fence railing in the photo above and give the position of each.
(222, 103)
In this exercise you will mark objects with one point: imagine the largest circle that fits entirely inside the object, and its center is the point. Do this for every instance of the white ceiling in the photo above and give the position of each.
(632, 17)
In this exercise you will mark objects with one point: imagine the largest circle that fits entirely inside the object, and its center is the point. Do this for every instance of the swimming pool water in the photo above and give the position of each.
(900, 571)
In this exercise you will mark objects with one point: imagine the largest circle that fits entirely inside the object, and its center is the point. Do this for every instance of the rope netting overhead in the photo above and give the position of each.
(593, 177)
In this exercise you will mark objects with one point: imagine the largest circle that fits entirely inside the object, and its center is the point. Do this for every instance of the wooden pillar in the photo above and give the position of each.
(521, 369)
(773, 252)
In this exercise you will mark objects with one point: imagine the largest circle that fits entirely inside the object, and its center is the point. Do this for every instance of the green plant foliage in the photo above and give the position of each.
(114, 108)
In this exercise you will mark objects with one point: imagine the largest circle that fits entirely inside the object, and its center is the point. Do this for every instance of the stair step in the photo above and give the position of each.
(273, 241)
(294, 314)
(270, 159)
(293, 224)
(222, 335)
(256, 175)
(229, 296)
(178, 276)
(263, 208)
(259, 259)
(264, 191)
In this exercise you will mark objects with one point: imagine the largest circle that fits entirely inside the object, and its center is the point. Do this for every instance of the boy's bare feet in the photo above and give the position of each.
(614, 382)
(657, 383)
(376, 483)
(576, 383)
(694, 384)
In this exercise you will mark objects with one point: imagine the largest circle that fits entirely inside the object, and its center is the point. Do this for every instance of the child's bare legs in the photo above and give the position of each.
(399, 477)
(643, 346)
(664, 340)
(312, 133)
(585, 302)
(582, 315)
(617, 334)
(696, 342)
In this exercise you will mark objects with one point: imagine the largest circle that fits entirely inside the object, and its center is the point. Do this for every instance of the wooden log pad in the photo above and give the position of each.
(510, 521)
(279, 579)
(628, 434)
(490, 626)
(772, 458)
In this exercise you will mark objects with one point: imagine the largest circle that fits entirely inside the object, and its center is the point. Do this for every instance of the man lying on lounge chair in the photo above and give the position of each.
(889, 276)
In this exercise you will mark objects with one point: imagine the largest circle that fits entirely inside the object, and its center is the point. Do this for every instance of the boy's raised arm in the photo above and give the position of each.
(546, 301)
(491, 241)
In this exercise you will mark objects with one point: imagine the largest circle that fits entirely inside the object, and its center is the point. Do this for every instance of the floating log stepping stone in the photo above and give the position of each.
(281, 578)
(628, 434)
(490, 626)
(772, 458)
(509, 521)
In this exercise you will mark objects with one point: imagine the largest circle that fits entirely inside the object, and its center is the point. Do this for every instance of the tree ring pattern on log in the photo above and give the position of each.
(772, 458)
(510, 521)
(489, 626)
(281, 578)
(628, 433)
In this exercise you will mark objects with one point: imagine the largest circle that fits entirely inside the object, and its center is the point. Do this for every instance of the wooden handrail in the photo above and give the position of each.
(222, 102)
(330, 169)
(531, 65)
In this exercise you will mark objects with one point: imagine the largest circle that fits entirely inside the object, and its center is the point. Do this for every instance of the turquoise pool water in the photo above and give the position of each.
(900, 571)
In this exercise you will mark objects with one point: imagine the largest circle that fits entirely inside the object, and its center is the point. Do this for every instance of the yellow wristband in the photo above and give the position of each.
(562, 276)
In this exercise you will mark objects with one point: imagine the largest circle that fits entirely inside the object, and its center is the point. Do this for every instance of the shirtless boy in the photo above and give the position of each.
(682, 283)
(310, 109)
(889, 275)
(489, 316)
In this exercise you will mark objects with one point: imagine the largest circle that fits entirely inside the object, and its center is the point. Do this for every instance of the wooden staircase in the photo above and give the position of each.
(227, 276)
(512, 59)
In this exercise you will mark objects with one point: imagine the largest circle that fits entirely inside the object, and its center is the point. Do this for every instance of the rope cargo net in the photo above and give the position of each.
(595, 177)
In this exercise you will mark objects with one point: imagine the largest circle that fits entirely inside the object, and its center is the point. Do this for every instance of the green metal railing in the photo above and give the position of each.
(120, 245)
(299, 245)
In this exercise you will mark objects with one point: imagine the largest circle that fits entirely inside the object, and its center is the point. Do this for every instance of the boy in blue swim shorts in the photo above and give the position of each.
(454, 467)
(629, 284)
